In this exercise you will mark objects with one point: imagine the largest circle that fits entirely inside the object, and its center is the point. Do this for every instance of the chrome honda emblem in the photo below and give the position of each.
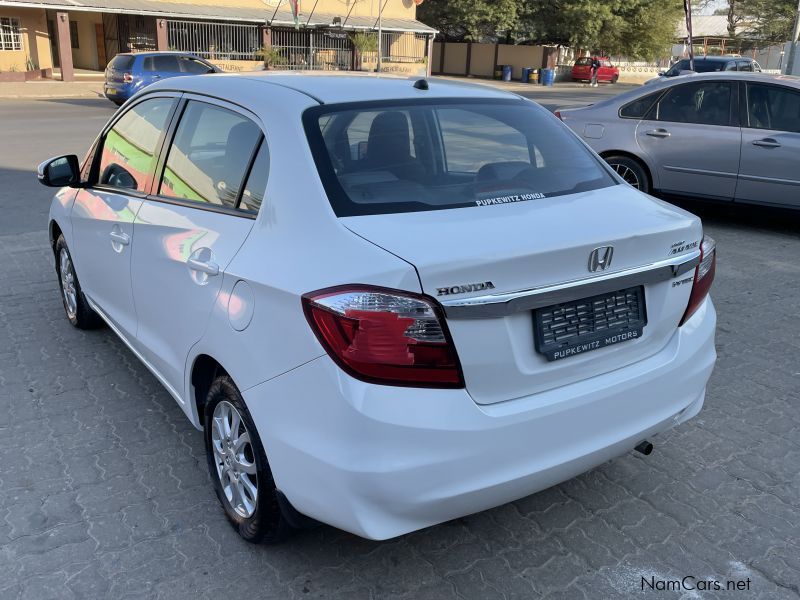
(600, 258)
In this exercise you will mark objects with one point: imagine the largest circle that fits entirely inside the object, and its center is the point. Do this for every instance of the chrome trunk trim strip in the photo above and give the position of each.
(509, 303)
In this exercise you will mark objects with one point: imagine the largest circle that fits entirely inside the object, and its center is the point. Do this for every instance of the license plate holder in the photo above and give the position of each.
(580, 326)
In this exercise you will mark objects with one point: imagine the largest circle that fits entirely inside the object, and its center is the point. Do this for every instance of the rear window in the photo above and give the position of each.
(388, 158)
(121, 62)
(167, 63)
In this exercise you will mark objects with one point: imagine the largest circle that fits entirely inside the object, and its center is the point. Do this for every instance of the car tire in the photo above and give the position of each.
(77, 308)
(241, 474)
(615, 79)
(631, 170)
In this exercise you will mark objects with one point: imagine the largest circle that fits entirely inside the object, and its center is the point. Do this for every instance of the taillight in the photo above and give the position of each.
(558, 114)
(703, 276)
(384, 336)
(127, 77)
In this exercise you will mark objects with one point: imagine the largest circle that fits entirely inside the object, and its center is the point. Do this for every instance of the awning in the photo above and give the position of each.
(242, 14)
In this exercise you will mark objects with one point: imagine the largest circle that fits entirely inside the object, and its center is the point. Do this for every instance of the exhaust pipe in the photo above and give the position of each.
(644, 447)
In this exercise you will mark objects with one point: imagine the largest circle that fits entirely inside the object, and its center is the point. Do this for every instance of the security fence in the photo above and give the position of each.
(317, 49)
(312, 49)
(216, 41)
(404, 46)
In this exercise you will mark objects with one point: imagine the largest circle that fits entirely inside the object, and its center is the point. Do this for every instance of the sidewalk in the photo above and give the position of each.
(51, 89)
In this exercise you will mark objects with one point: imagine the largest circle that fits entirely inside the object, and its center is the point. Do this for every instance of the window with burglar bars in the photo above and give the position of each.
(312, 49)
(10, 34)
(216, 41)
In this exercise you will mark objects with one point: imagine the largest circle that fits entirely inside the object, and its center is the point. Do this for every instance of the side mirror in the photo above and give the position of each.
(661, 74)
(60, 171)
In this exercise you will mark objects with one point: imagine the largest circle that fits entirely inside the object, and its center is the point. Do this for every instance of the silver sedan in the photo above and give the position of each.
(725, 136)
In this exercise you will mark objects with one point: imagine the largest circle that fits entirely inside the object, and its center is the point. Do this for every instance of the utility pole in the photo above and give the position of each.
(687, 8)
(793, 43)
(380, 33)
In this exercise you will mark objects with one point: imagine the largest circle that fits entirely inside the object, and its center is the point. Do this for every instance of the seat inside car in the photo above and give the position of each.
(389, 146)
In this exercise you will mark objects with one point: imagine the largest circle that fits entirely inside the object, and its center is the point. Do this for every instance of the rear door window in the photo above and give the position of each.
(161, 64)
(417, 156)
(773, 107)
(706, 103)
(128, 153)
(639, 107)
(209, 155)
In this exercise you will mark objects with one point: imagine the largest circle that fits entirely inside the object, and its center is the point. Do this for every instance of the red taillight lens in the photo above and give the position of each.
(558, 114)
(703, 276)
(384, 336)
(127, 77)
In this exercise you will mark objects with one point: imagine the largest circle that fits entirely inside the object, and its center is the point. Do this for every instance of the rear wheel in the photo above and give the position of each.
(615, 79)
(238, 466)
(631, 170)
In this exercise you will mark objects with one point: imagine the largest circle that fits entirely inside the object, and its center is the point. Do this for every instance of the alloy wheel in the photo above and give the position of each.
(628, 174)
(68, 288)
(234, 458)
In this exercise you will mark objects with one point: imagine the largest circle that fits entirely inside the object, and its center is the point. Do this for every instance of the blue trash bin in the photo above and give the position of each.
(506, 72)
(526, 74)
(548, 76)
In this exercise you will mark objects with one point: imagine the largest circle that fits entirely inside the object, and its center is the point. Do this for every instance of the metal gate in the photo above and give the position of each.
(216, 41)
(137, 33)
(312, 49)
(110, 35)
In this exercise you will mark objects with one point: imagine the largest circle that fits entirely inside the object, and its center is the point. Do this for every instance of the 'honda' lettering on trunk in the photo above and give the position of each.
(463, 289)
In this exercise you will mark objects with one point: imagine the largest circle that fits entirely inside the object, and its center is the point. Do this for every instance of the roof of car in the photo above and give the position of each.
(336, 88)
(720, 58)
(157, 52)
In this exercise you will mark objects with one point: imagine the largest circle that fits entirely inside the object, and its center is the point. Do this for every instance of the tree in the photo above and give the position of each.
(470, 20)
(642, 29)
(772, 21)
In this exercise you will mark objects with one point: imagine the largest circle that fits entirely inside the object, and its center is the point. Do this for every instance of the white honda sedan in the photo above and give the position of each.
(387, 303)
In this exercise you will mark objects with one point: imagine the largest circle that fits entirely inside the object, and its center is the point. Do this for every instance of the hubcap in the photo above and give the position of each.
(68, 289)
(628, 174)
(234, 458)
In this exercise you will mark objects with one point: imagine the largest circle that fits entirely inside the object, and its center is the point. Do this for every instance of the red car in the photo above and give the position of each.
(582, 70)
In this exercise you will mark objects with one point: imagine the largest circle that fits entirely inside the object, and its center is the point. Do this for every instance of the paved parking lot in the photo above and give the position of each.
(104, 492)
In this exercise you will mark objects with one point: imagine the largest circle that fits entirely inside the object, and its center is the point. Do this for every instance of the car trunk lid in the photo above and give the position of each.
(473, 252)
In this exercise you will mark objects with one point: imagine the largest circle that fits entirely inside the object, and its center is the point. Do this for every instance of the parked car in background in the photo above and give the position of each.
(582, 70)
(710, 64)
(728, 136)
(126, 74)
(387, 303)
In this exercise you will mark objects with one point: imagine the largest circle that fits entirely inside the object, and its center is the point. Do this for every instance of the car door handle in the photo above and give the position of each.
(120, 237)
(767, 143)
(659, 133)
(209, 268)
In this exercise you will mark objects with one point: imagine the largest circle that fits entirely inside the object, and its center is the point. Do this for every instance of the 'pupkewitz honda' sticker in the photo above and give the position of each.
(509, 199)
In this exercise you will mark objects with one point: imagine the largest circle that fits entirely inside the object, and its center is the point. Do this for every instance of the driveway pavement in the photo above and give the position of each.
(104, 491)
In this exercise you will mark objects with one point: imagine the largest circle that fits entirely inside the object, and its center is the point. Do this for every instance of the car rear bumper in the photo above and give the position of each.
(382, 461)
(117, 91)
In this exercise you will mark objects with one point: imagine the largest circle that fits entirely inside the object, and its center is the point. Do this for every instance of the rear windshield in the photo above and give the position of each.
(422, 155)
(121, 62)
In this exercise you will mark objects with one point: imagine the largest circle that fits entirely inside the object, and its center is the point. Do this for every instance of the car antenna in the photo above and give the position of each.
(421, 84)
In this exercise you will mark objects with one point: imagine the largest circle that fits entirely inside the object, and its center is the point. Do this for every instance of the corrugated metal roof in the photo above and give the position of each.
(253, 13)
(710, 26)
